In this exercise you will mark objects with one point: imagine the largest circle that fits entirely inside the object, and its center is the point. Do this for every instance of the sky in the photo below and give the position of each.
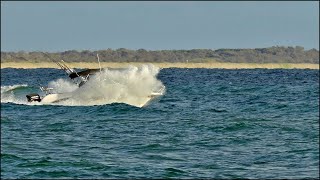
(55, 26)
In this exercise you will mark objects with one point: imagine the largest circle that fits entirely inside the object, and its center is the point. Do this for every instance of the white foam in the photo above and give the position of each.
(132, 85)
(7, 95)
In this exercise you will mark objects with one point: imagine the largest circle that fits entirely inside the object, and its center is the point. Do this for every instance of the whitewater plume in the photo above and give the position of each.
(132, 85)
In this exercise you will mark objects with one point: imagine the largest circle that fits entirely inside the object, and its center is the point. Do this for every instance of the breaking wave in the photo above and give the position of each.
(132, 85)
(9, 94)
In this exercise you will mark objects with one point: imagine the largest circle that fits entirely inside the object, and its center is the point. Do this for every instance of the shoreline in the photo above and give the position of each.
(29, 65)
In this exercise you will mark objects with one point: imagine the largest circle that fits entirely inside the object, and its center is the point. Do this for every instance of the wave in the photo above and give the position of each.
(132, 85)
(9, 93)
(12, 87)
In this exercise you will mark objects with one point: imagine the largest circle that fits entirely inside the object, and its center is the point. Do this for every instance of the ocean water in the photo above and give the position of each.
(210, 123)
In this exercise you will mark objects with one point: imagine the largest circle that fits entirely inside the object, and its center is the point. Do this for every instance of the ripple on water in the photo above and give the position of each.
(50, 174)
(174, 173)
(211, 123)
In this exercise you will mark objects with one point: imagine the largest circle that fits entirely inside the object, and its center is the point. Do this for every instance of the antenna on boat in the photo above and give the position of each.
(99, 62)
(62, 65)
(66, 67)
(101, 71)
(99, 65)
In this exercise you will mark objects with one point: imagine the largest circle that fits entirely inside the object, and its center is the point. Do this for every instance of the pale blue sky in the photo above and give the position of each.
(60, 26)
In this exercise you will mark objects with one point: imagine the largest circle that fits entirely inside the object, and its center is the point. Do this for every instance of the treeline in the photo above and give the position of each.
(275, 54)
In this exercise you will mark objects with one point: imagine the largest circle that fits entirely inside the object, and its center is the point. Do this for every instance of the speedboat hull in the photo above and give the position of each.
(54, 98)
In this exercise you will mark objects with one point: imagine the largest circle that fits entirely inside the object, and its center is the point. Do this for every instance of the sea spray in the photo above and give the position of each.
(132, 85)
(62, 86)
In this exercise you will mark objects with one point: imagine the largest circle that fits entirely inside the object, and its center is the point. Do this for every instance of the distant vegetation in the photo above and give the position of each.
(275, 54)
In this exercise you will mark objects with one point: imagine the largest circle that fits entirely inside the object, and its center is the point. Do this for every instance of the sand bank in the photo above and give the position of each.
(29, 65)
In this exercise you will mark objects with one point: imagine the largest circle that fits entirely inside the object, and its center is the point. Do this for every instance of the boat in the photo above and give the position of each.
(80, 79)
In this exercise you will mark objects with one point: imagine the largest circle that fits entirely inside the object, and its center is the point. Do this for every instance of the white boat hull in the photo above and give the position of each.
(53, 98)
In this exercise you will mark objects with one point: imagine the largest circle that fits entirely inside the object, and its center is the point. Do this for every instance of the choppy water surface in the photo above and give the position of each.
(211, 123)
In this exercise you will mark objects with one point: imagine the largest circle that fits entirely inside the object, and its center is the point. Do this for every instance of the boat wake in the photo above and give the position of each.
(133, 85)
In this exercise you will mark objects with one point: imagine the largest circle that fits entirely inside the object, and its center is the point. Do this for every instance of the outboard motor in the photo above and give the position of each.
(33, 97)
